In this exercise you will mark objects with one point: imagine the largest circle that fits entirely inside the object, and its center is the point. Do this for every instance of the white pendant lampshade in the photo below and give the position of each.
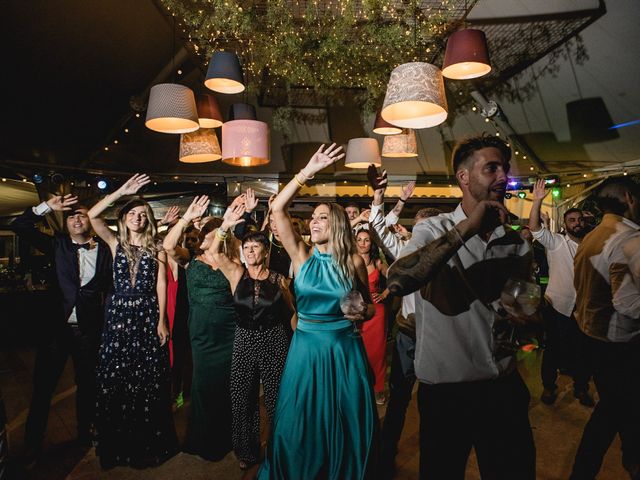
(245, 143)
(172, 109)
(362, 152)
(403, 145)
(415, 96)
(200, 146)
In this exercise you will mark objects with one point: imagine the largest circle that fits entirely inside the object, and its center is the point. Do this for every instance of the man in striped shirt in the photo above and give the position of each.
(608, 312)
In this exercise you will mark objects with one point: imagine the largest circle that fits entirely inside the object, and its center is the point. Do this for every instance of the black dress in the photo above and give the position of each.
(133, 409)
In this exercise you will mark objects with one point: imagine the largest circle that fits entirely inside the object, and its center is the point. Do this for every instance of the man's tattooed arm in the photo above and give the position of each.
(414, 271)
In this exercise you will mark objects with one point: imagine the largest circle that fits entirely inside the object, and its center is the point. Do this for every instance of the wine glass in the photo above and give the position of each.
(520, 298)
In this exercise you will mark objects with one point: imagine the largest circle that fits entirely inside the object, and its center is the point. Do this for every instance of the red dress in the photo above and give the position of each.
(374, 334)
(172, 293)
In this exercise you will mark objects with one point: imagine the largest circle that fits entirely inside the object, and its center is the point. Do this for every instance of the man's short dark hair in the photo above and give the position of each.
(427, 212)
(571, 210)
(465, 149)
(352, 204)
(609, 198)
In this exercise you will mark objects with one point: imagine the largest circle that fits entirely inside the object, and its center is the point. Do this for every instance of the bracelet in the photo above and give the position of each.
(401, 200)
(222, 234)
(295, 177)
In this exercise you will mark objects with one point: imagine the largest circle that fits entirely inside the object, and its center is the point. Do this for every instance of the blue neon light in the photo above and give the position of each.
(625, 124)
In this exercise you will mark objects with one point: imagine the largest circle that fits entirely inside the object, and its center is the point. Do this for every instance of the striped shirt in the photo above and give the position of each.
(608, 297)
(454, 316)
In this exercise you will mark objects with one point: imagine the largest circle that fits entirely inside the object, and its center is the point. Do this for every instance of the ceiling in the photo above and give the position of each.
(76, 73)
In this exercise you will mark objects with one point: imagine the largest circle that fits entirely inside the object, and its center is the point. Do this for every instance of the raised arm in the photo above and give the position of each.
(130, 187)
(170, 217)
(176, 252)
(297, 250)
(389, 241)
(407, 191)
(413, 271)
(543, 235)
(230, 269)
(250, 204)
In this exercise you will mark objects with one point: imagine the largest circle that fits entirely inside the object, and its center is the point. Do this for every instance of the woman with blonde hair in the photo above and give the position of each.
(212, 320)
(134, 423)
(325, 421)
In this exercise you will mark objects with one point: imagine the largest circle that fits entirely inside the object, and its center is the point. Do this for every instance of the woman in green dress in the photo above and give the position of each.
(212, 320)
(326, 421)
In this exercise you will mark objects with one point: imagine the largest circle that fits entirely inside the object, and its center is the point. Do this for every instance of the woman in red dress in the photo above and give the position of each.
(374, 331)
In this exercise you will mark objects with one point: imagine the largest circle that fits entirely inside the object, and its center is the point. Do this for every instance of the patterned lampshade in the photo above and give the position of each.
(382, 127)
(209, 114)
(362, 152)
(400, 146)
(224, 74)
(171, 109)
(415, 96)
(245, 143)
(200, 146)
(467, 55)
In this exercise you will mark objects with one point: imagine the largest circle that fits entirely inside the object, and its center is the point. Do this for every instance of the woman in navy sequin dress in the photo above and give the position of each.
(134, 423)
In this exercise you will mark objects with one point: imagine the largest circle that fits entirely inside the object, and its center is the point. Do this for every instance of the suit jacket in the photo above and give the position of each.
(88, 299)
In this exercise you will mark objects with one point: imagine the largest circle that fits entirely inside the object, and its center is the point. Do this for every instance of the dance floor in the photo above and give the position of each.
(557, 430)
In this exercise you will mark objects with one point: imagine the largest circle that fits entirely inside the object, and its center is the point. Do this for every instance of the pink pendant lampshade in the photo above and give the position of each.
(467, 55)
(362, 152)
(415, 96)
(245, 143)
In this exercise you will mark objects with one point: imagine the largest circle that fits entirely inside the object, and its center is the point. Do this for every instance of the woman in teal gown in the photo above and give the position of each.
(326, 421)
(212, 320)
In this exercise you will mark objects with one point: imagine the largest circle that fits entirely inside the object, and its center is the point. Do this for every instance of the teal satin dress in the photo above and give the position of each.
(326, 419)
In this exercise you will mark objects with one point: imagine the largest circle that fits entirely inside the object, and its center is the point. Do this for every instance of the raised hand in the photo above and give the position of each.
(539, 191)
(364, 215)
(61, 203)
(197, 208)
(399, 229)
(250, 201)
(377, 182)
(171, 216)
(407, 190)
(322, 159)
(233, 216)
(134, 184)
(240, 199)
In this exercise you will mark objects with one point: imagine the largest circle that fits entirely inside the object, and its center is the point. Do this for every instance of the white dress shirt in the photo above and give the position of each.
(561, 251)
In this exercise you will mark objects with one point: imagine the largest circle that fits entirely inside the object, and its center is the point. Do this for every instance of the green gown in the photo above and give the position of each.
(212, 320)
(326, 419)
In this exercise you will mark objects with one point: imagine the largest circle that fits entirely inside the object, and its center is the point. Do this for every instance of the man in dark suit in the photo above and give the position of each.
(80, 281)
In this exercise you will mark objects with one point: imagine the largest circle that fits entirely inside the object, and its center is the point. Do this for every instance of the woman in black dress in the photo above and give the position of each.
(134, 424)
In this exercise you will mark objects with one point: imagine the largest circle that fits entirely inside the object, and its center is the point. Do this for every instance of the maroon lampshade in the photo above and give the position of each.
(467, 55)
(382, 127)
(209, 115)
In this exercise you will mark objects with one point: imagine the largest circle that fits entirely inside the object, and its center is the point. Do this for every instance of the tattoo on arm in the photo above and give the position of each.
(398, 208)
(410, 273)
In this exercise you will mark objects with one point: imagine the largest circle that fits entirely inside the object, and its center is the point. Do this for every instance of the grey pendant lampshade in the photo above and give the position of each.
(400, 146)
(200, 146)
(242, 111)
(209, 115)
(172, 109)
(362, 152)
(224, 74)
(415, 96)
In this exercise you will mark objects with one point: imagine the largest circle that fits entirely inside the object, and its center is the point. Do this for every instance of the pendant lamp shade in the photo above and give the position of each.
(403, 145)
(382, 127)
(200, 146)
(224, 74)
(171, 109)
(209, 115)
(242, 111)
(415, 96)
(245, 143)
(467, 55)
(362, 152)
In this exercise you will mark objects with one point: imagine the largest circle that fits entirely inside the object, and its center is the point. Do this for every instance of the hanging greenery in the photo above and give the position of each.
(322, 45)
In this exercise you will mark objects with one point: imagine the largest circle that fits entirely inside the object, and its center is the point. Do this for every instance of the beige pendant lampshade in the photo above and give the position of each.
(209, 115)
(362, 152)
(172, 109)
(415, 96)
(245, 143)
(224, 74)
(382, 127)
(200, 146)
(467, 55)
(403, 145)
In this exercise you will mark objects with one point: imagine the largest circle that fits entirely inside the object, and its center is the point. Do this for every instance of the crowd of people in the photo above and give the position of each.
(216, 310)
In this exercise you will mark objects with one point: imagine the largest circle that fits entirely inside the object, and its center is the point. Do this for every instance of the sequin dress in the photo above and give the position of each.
(134, 423)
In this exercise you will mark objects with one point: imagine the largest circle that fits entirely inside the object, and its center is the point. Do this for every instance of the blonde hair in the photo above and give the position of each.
(149, 241)
(342, 243)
